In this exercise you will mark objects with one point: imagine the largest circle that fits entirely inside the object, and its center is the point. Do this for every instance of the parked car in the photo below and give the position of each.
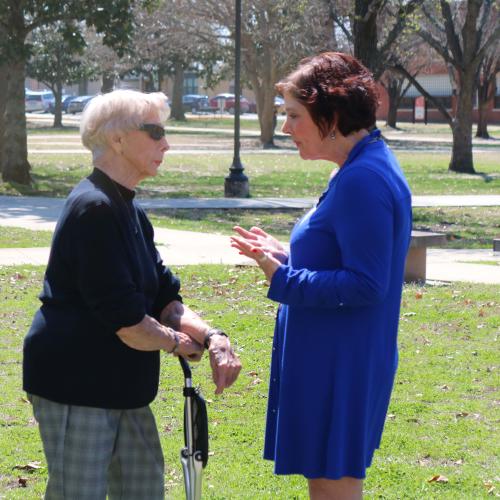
(279, 104)
(226, 103)
(65, 100)
(195, 102)
(37, 101)
(77, 104)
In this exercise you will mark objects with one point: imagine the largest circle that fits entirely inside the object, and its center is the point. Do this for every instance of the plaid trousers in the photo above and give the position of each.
(92, 452)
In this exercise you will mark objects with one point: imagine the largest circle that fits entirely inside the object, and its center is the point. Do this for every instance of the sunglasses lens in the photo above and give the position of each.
(156, 132)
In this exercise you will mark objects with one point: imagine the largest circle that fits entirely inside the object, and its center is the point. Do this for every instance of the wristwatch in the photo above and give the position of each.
(210, 334)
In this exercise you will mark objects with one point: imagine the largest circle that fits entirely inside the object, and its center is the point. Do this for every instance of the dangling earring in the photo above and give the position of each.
(332, 135)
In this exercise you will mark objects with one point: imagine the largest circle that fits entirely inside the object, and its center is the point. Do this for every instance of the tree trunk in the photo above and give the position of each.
(83, 87)
(485, 92)
(365, 35)
(108, 82)
(3, 103)
(264, 66)
(177, 92)
(150, 82)
(267, 117)
(57, 90)
(392, 112)
(15, 166)
(482, 121)
(461, 156)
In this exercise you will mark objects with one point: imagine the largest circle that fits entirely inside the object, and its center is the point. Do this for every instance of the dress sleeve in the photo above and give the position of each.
(362, 205)
(102, 270)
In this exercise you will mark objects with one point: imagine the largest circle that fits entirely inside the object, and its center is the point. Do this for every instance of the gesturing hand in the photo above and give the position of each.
(259, 239)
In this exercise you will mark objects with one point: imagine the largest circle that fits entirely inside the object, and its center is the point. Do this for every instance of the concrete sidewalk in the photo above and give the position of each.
(41, 213)
(188, 247)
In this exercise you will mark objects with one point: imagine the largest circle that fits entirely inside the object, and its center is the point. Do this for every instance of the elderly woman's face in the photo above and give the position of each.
(304, 132)
(143, 150)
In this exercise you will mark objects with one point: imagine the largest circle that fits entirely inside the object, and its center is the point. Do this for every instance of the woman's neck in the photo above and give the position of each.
(345, 145)
(113, 166)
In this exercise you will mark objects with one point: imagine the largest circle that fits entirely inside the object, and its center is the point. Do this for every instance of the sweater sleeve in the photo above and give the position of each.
(102, 269)
(168, 284)
(363, 227)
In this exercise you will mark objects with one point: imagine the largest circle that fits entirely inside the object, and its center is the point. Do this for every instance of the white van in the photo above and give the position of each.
(38, 101)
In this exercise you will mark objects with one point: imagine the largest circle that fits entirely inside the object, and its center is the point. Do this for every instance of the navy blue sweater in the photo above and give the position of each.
(104, 273)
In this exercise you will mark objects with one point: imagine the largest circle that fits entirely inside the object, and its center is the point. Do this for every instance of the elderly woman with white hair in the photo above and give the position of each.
(109, 306)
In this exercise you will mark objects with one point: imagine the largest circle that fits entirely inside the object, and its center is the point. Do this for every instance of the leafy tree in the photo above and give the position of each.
(3, 92)
(19, 18)
(55, 63)
(461, 33)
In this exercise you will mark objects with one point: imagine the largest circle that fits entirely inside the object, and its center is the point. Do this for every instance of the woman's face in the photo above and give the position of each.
(304, 132)
(141, 153)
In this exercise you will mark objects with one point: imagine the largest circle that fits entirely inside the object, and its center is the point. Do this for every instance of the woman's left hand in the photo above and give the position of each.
(225, 363)
(264, 260)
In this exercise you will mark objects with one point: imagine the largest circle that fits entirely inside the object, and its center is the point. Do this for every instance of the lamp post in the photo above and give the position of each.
(236, 183)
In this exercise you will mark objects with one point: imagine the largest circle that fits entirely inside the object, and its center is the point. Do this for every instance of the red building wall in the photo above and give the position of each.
(433, 115)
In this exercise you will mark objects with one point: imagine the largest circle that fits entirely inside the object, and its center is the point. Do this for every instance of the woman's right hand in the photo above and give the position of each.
(189, 348)
(267, 243)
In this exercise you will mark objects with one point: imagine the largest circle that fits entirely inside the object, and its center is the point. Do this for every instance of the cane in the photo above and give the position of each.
(194, 455)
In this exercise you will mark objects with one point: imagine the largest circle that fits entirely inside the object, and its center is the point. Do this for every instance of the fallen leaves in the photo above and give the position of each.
(489, 487)
(30, 466)
(438, 478)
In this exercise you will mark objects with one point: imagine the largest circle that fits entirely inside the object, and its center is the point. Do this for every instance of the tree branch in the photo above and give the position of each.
(436, 44)
(451, 36)
(413, 80)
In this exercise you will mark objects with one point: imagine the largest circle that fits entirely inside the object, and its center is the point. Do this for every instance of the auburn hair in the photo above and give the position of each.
(336, 89)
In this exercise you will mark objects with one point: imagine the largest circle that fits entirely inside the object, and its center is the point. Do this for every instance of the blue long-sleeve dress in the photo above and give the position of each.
(335, 344)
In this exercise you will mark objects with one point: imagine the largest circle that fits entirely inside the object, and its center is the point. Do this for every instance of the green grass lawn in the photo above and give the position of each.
(275, 175)
(466, 227)
(441, 422)
(17, 237)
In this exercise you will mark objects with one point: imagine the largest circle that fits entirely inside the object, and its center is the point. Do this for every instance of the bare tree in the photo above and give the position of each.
(276, 34)
(396, 86)
(461, 33)
(373, 27)
(486, 88)
(412, 53)
(169, 42)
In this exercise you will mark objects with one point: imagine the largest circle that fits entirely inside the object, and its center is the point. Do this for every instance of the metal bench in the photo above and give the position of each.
(416, 260)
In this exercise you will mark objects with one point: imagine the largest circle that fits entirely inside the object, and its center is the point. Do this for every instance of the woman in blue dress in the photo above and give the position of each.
(334, 354)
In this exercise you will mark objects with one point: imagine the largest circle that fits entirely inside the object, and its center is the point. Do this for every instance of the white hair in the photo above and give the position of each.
(118, 111)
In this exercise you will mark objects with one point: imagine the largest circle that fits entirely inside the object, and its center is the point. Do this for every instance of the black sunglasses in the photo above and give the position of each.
(156, 132)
